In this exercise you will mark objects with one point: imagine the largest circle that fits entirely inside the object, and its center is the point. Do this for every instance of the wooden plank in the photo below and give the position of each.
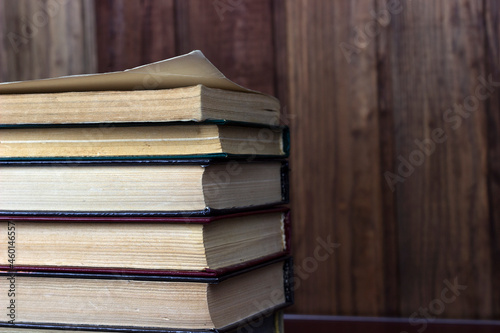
(335, 160)
(492, 24)
(387, 156)
(441, 149)
(328, 324)
(134, 33)
(236, 35)
(46, 38)
(4, 43)
(281, 57)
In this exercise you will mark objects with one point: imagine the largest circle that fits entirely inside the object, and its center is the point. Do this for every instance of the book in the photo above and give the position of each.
(196, 103)
(145, 141)
(120, 187)
(183, 88)
(205, 246)
(146, 301)
(266, 323)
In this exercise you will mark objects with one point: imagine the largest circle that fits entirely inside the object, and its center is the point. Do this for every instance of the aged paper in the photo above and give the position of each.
(185, 70)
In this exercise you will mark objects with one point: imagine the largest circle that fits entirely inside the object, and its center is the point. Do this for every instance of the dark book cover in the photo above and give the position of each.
(208, 274)
(264, 321)
(207, 211)
(285, 143)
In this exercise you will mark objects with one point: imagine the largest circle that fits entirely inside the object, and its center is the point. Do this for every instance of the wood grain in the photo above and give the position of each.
(48, 38)
(237, 37)
(4, 43)
(492, 24)
(281, 58)
(134, 33)
(442, 201)
(329, 324)
(387, 160)
(335, 159)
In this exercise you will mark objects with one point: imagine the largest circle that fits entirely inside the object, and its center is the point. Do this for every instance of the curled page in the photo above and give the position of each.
(182, 71)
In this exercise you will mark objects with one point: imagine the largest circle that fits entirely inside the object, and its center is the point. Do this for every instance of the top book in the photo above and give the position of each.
(184, 88)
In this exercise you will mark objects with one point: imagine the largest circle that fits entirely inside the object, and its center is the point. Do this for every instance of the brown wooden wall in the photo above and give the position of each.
(372, 91)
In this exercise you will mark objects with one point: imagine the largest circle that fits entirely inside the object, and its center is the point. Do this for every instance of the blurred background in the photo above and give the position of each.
(394, 110)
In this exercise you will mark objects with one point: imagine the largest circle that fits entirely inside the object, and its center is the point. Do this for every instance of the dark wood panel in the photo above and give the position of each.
(281, 57)
(442, 198)
(4, 43)
(387, 156)
(328, 324)
(41, 39)
(237, 36)
(133, 33)
(335, 160)
(492, 24)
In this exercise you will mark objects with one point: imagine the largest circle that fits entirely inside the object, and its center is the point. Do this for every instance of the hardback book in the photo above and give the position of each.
(265, 323)
(189, 140)
(196, 103)
(140, 187)
(145, 302)
(200, 246)
(183, 88)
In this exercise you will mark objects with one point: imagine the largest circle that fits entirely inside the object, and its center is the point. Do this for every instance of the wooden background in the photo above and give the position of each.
(360, 81)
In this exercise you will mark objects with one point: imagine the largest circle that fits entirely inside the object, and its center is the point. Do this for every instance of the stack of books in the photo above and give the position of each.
(126, 209)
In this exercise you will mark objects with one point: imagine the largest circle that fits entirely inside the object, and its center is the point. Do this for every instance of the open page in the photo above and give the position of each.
(185, 70)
